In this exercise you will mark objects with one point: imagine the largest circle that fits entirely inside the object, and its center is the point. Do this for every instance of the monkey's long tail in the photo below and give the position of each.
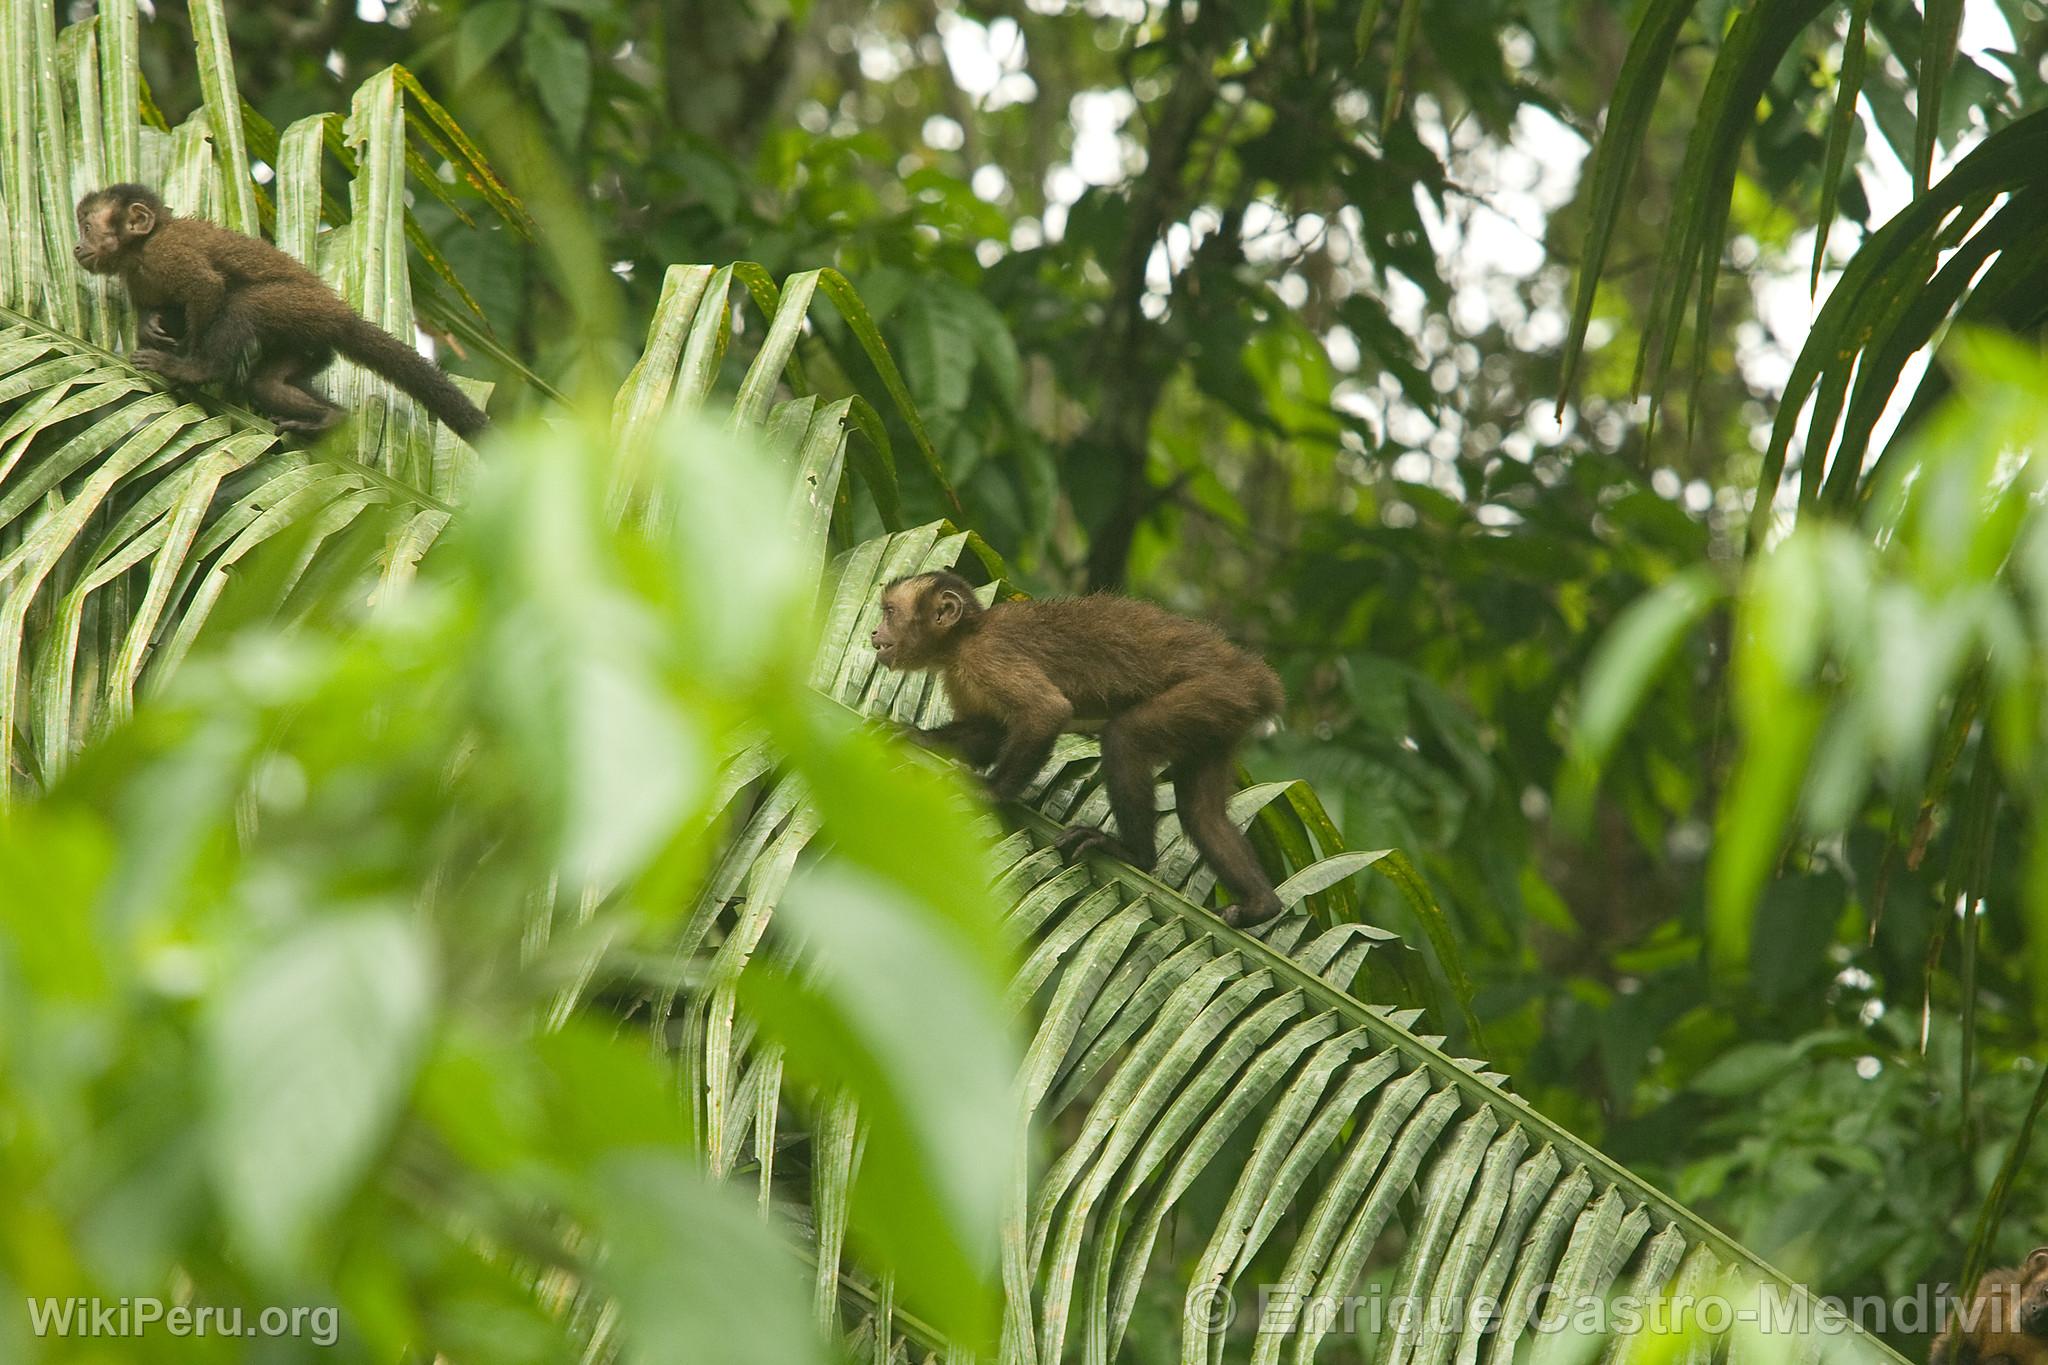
(374, 348)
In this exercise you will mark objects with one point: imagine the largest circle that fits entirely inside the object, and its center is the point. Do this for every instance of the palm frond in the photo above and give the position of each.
(1754, 48)
(1970, 249)
(124, 508)
(122, 512)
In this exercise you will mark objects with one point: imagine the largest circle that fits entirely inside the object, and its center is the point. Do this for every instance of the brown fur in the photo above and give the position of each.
(1168, 690)
(241, 297)
(2005, 1322)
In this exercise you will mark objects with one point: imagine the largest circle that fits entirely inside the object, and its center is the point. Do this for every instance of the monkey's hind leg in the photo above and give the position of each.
(1201, 790)
(1180, 721)
(278, 386)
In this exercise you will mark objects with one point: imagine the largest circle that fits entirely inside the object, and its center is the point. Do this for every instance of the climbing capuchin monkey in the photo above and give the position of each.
(239, 308)
(2004, 1323)
(1168, 690)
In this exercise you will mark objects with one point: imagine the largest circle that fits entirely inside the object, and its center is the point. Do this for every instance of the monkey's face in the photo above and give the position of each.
(2033, 1310)
(107, 228)
(899, 640)
(918, 621)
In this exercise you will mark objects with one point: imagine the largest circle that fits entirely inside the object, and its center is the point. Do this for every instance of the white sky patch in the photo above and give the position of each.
(1102, 155)
(1263, 230)
(987, 61)
(1342, 348)
(989, 183)
(1158, 270)
(1984, 28)
(879, 59)
(1180, 246)
(1063, 185)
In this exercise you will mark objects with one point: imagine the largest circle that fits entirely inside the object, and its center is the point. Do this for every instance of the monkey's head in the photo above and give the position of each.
(113, 222)
(2033, 1309)
(923, 619)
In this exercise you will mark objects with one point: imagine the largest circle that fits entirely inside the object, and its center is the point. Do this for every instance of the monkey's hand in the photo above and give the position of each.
(151, 335)
(166, 363)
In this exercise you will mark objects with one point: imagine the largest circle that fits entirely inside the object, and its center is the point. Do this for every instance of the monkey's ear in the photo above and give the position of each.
(140, 220)
(2037, 1261)
(948, 606)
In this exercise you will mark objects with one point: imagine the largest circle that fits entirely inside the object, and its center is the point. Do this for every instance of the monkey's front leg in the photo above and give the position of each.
(975, 739)
(1026, 747)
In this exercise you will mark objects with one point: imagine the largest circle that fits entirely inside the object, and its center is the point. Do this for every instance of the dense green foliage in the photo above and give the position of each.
(1715, 737)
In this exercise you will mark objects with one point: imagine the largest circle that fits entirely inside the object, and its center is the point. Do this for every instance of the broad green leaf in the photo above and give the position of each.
(689, 1261)
(888, 1006)
(311, 1047)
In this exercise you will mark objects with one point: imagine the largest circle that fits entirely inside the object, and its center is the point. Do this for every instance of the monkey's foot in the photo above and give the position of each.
(310, 426)
(1247, 916)
(1075, 840)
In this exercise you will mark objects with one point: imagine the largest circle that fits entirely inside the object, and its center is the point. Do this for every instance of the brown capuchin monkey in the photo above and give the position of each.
(2004, 1323)
(240, 297)
(1168, 690)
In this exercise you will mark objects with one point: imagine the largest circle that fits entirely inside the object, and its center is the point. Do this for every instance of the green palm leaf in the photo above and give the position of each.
(1756, 44)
